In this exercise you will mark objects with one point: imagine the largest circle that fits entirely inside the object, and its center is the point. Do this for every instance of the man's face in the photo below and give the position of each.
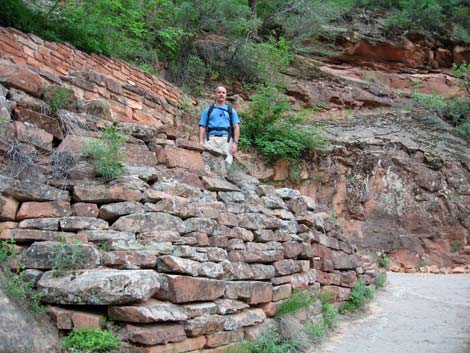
(220, 94)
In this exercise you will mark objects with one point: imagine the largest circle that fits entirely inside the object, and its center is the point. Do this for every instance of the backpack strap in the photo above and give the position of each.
(230, 114)
(209, 112)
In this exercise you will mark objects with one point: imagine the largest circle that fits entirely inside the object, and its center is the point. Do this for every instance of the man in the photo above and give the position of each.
(220, 130)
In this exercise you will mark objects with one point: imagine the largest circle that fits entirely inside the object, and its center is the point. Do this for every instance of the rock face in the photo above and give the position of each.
(41, 337)
(395, 185)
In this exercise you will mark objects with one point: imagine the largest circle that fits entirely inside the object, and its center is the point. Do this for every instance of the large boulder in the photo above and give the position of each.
(98, 287)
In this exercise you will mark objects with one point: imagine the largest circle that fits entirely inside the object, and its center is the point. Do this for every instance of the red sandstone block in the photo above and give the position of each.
(17, 60)
(44, 210)
(83, 209)
(178, 157)
(28, 51)
(190, 344)
(8, 207)
(34, 136)
(9, 49)
(224, 337)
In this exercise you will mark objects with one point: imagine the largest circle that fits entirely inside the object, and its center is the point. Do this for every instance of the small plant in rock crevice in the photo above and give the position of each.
(360, 295)
(68, 256)
(421, 263)
(107, 153)
(380, 280)
(384, 261)
(269, 342)
(16, 283)
(455, 247)
(296, 301)
(86, 340)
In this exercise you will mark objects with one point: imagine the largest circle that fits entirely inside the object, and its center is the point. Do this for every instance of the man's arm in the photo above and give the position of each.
(202, 134)
(236, 138)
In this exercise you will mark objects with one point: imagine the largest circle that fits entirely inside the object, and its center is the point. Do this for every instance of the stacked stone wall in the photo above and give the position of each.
(184, 254)
(134, 95)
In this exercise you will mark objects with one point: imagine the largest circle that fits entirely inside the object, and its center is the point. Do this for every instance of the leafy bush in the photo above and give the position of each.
(455, 247)
(316, 332)
(85, 340)
(462, 72)
(380, 280)
(296, 301)
(330, 314)
(421, 263)
(18, 286)
(360, 295)
(107, 153)
(384, 261)
(274, 131)
(59, 98)
(269, 342)
(68, 256)
(7, 249)
(456, 111)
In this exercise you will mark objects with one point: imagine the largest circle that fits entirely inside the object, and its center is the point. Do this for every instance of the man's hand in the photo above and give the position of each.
(234, 148)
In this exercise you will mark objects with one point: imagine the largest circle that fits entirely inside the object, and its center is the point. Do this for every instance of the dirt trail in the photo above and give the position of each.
(413, 314)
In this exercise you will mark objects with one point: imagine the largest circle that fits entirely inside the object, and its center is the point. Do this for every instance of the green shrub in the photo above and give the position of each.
(107, 153)
(269, 342)
(455, 110)
(462, 72)
(421, 263)
(316, 332)
(7, 249)
(380, 280)
(274, 131)
(85, 340)
(359, 296)
(296, 301)
(330, 315)
(455, 247)
(384, 261)
(19, 287)
(68, 256)
(60, 97)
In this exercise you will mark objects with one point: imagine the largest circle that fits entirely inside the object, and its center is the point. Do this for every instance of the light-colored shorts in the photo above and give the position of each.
(220, 145)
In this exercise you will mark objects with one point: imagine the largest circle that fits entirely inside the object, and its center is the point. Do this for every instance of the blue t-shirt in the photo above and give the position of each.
(219, 118)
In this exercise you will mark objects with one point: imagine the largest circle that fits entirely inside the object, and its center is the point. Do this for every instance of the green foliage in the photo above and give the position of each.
(7, 249)
(359, 296)
(297, 300)
(19, 287)
(107, 153)
(384, 261)
(432, 18)
(274, 131)
(462, 72)
(59, 99)
(455, 247)
(85, 340)
(456, 111)
(421, 263)
(68, 256)
(380, 280)
(316, 332)
(330, 314)
(269, 342)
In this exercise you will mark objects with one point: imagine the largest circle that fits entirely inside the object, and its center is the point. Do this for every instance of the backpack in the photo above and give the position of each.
(229, 129)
